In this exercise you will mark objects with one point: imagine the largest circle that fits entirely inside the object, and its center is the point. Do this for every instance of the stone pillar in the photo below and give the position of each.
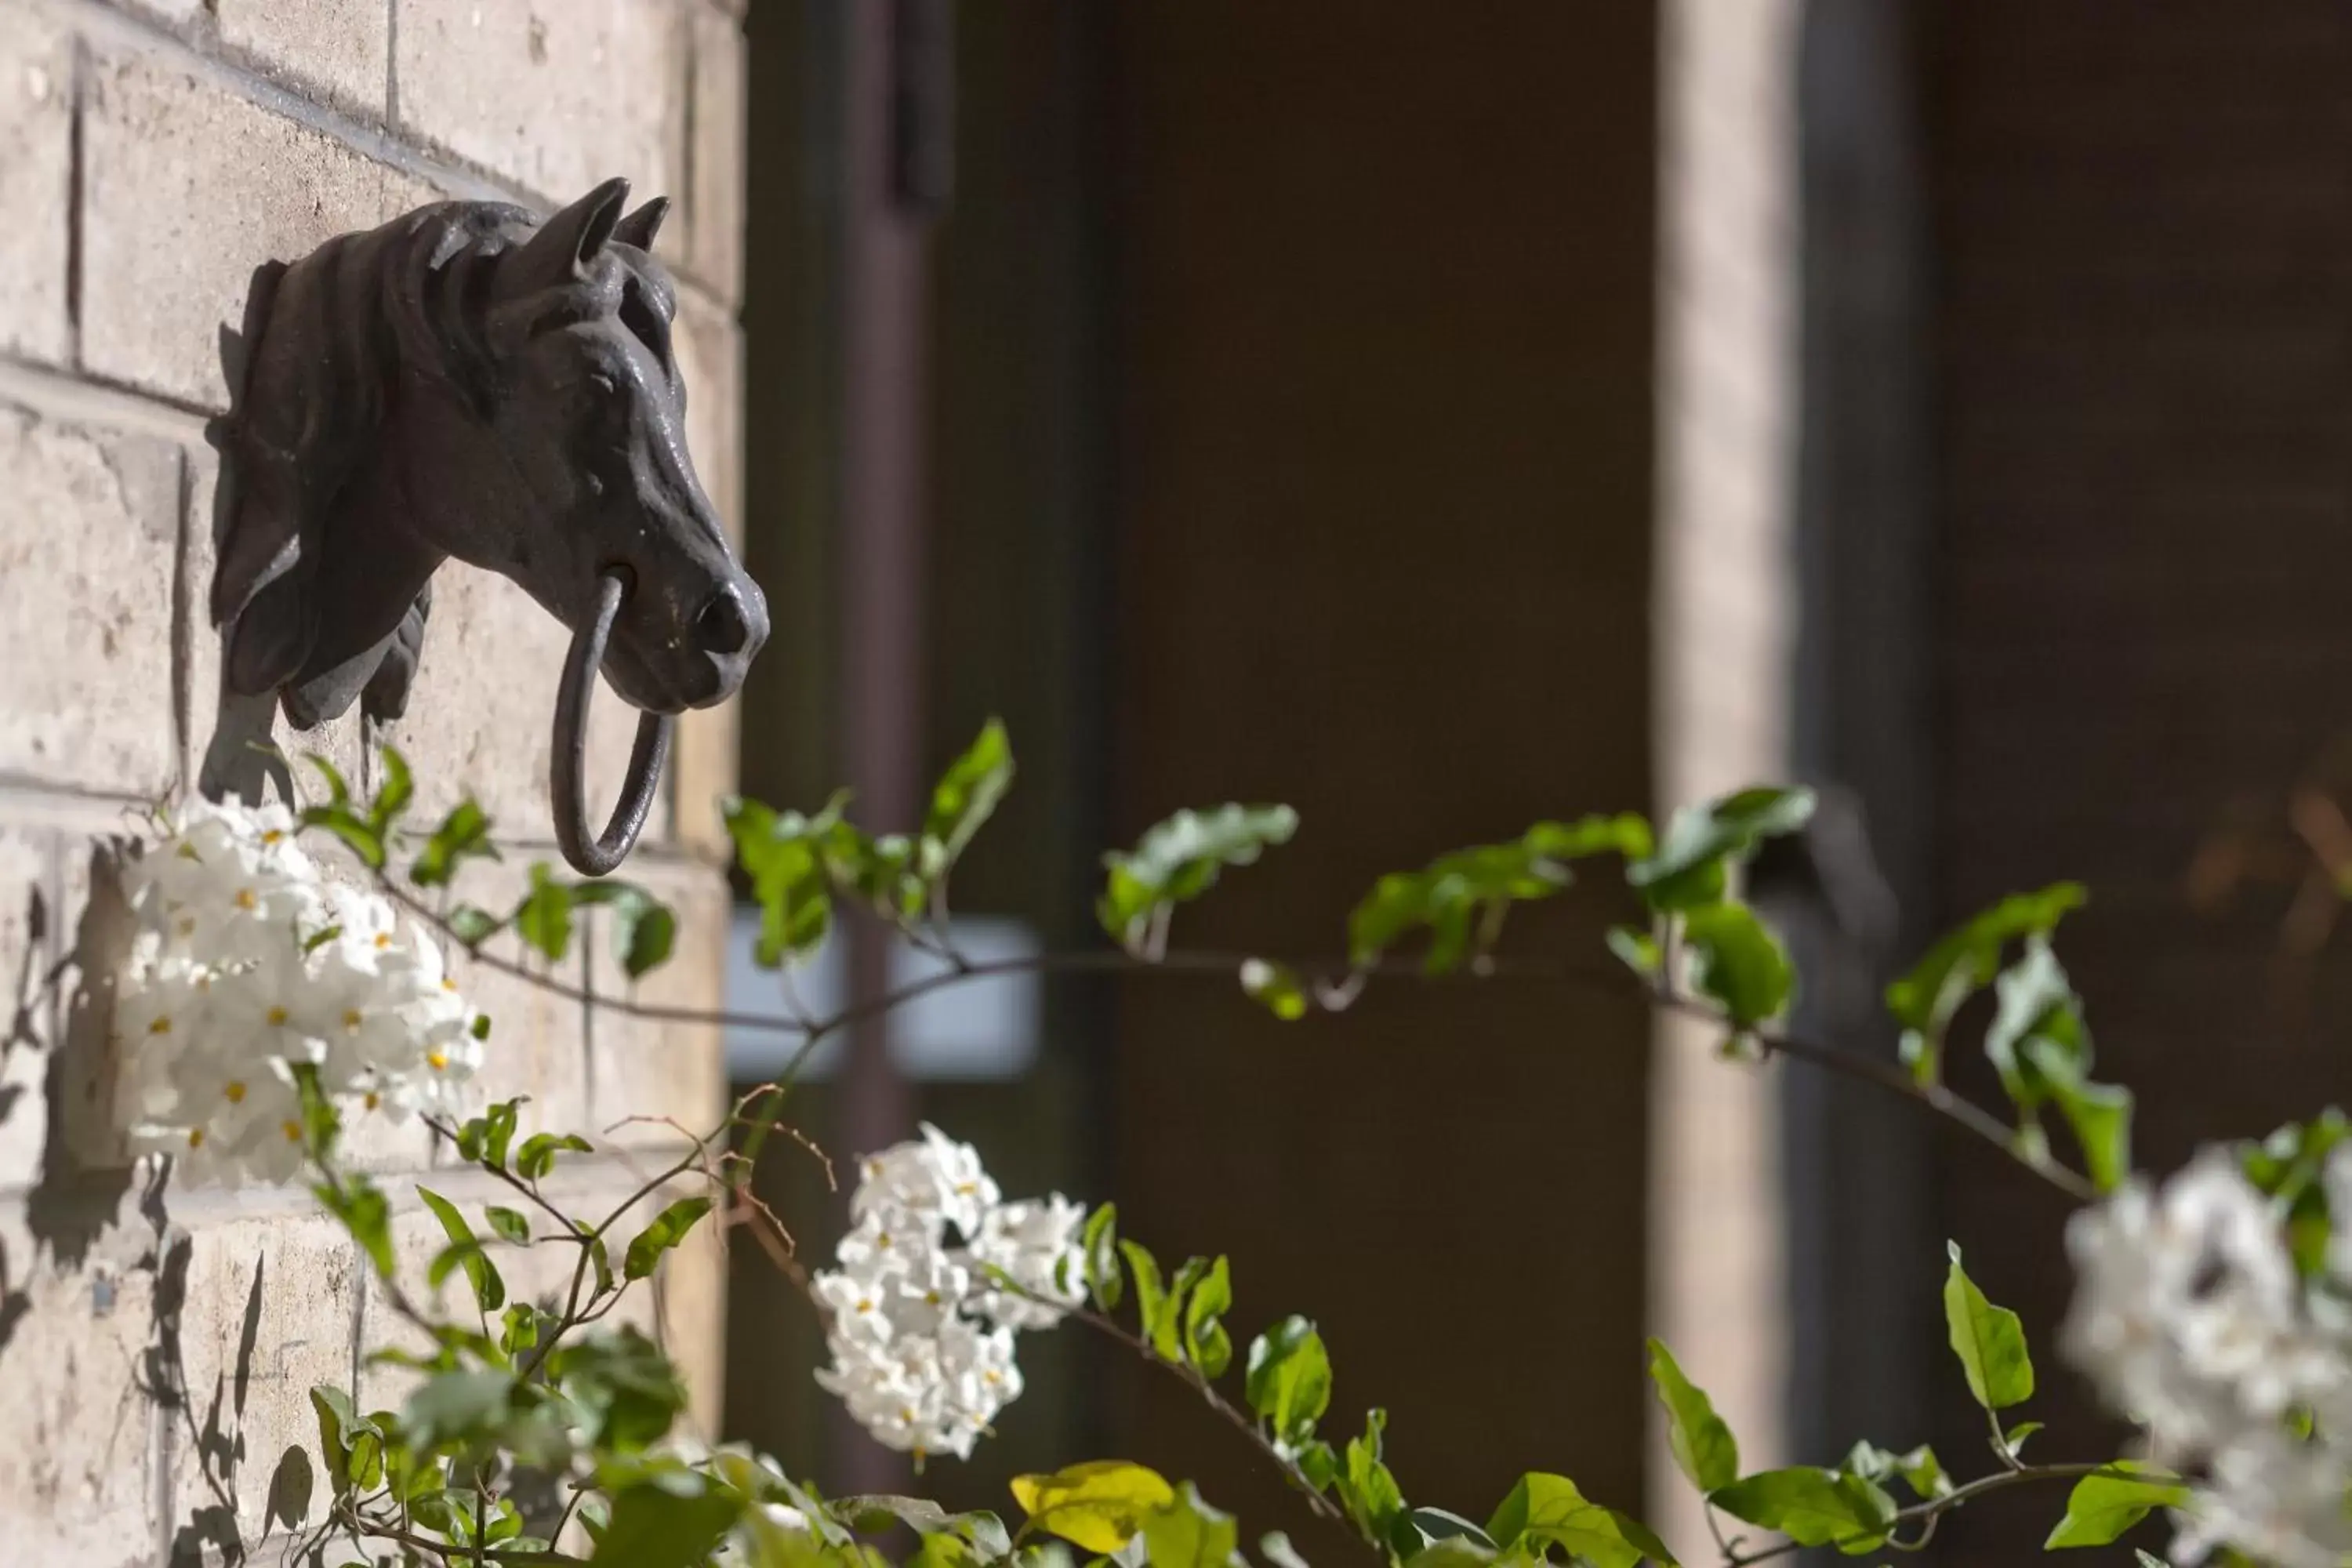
(153, 154)
(1725, 599)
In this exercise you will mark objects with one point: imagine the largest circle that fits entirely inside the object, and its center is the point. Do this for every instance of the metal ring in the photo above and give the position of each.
(568, 783)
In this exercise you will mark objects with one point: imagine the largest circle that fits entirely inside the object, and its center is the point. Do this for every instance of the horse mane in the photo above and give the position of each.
(340, 329)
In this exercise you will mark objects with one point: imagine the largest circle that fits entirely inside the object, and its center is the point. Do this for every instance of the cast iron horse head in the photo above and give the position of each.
(466, 381)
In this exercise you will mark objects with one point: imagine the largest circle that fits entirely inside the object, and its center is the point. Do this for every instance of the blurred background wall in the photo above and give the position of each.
(1441, 417)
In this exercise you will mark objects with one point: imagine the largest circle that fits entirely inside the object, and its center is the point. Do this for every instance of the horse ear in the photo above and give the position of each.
(640, 226)
(554, 255)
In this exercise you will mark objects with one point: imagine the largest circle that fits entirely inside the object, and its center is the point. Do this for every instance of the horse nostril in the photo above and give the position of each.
(723, 628)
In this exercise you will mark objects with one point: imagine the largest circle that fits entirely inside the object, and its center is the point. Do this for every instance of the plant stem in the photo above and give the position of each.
(1928, 1513)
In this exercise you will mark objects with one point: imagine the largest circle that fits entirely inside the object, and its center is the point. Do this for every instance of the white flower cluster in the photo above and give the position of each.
(2190, 1315)
(247, 963)
(921, 1331)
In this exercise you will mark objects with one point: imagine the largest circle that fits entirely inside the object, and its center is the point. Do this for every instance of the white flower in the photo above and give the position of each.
(248, 966)
(922, 1342)
(2188, 1312)
(935, 1179)
(1035, 1242)
(2276, 1499)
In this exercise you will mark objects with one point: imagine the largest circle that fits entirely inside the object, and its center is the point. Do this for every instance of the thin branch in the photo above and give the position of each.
(1330, 978)
(1926, 1514)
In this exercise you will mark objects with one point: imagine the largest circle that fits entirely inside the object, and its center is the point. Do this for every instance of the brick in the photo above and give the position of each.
(27, 903)
(555, 98)
(711, 359)
(224, 729)
(37, 73)
(481, 715)
(714, 203)
(189, 189)
(336, 48)
(77, 1474)
(271, 1302)
(653, 1068)
(87, 544)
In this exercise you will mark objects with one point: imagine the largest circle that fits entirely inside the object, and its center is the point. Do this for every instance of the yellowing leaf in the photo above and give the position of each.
(1099, 1505)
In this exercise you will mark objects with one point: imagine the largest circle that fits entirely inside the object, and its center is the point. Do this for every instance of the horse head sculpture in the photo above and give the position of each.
(469, 381)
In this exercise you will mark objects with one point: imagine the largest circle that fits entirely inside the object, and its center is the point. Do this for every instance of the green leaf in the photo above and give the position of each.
(2039, 1012)
(1703, 1445)
(1812, 1507)
(1276, 1548)
(1177, 860)
(342, 1436)
(1461, 897)
(2101, 1508)
(2014, 1440)
(1207, 1345)
(510, 1223)
(520, 1329)
(669, 1227)
(1274, 986)
(473, 926)
(1739, 963)
(338, 791)
(784, 854)
(366, 1213)
(348, 826)
(1919, 1469)
(454, 1407)
(661, 1523)
(1963, 963)
(1367, 1487)
(1637, 951)
(2101, 1116)
(1988, 1340)
(1189, 1533)
(463, 835)
(1151, 1304)
(543, 919)
(644, 928)
(1691, 865)
(392, 796)
(1099, 1241)
(1545, 1511)
(1288, 1382)
(537, 1156)
(489, 1290)
(968, 793)
(1100, 1505)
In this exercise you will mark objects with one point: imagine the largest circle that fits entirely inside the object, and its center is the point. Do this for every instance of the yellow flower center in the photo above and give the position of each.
(352, 1019)
(235, 1091)
(273, 835)
(931, 1297)
(882, 1239)
(195, 1137)
(436, 1060)
(865, 1305)
(276, 1016)
(993, 1375)
(292, 1129)
(187, 925)
(243, 899)
(373, 1100)
(382, 940)
(448, 982)
(162, 1025)
(967, 1189)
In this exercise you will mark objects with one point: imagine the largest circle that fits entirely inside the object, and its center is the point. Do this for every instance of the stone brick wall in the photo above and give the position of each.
(152, 156)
